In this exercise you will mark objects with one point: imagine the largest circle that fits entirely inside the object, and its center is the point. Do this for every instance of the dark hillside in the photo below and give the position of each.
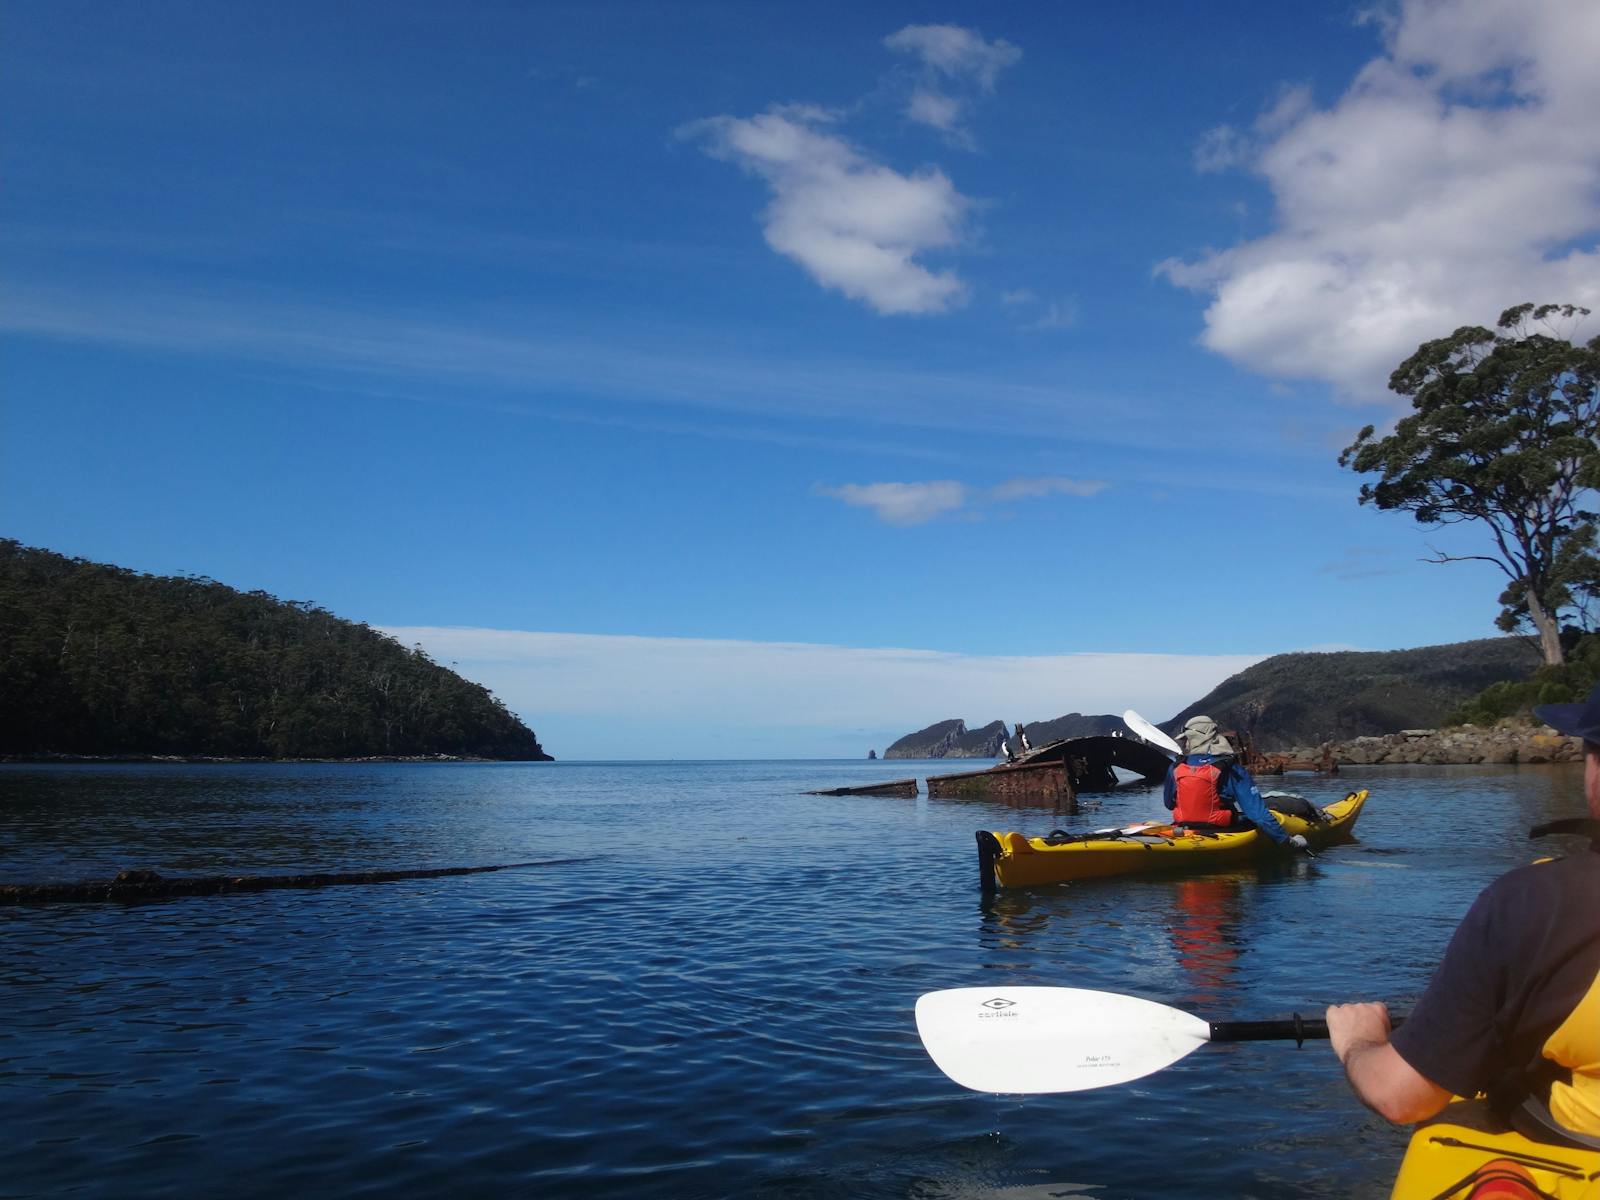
(950, 739)
(931, 742)
(1305, 699)
(979, 743)
(100, 660)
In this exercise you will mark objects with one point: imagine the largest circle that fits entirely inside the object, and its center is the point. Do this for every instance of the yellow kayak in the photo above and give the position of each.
(1451, 1161)
(1012, 860)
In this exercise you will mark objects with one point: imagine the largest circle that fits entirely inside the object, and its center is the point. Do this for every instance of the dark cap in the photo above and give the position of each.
(1575, 720)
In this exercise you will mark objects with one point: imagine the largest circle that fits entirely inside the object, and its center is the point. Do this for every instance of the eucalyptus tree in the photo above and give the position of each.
(1504, 429)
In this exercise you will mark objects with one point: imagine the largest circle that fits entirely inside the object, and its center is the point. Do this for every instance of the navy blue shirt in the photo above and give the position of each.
(1237, 790)
(1518, 964)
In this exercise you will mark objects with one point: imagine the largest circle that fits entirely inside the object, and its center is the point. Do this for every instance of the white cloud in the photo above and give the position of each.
(1294, 101)
(953, 59)
(1049, 485)
(902, 503)
(596, 696)
(1458, 175)
(1221, 149)
(855, 225)
(955, 52)
(1051, 314)
(928, 107)
(919, 503)
(1056, 315)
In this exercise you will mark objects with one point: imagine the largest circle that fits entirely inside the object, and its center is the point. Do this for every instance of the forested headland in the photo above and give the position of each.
(102, 661)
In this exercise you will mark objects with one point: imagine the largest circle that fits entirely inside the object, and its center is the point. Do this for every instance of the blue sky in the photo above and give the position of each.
(676, 368)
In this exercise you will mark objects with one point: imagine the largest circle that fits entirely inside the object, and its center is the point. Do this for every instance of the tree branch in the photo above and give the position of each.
(1439, 556)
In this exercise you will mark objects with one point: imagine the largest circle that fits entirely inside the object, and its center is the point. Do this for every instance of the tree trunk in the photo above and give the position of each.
(1549, 632)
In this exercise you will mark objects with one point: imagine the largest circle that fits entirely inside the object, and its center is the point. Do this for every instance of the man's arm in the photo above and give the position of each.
(1385, 1082)
(1238, 786)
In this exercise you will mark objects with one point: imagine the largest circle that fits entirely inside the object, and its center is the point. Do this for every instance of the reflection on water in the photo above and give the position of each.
(1205, 919)
(715, 1002)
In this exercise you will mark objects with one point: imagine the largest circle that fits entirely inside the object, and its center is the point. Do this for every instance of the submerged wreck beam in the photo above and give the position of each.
(151, 885)
(895, 787)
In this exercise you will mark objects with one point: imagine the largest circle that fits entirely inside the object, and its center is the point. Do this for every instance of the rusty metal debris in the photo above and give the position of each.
(1258, 763)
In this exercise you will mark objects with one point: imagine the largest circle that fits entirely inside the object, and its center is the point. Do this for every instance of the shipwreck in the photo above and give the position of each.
(1056, 773)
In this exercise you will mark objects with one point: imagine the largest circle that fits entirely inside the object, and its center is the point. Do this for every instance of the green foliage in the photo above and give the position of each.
(100, 660)
(1504, 430)
(1561, 683)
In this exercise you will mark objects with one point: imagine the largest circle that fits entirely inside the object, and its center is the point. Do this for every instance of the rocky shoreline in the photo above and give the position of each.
(1463, 744)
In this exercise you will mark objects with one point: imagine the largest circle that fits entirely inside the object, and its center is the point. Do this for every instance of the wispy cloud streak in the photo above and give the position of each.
(919, 503)
(506, 357)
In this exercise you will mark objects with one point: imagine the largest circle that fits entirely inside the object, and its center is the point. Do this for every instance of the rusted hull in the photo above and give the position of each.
(1014, 783)
(1259, 763)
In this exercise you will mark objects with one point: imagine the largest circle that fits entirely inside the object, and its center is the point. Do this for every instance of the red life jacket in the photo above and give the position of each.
(1197, 796)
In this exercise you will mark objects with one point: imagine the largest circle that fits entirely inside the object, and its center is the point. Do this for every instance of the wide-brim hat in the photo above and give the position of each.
(1575, 720)
(1201, 736)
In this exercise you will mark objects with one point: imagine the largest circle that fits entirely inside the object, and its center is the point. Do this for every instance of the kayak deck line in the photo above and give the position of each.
(1526, 1159)
(1467, 1146)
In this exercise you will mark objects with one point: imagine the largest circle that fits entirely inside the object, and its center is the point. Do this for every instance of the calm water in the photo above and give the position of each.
(716, 1000)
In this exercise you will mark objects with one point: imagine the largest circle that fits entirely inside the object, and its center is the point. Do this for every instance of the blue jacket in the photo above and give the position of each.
(1237, 790)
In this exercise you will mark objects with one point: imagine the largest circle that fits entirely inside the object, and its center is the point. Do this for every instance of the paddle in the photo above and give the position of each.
(1020, 1040)
(1149, 733)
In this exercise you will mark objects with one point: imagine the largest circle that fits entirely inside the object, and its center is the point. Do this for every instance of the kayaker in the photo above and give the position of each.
(1513, 1009)
(1208, 788)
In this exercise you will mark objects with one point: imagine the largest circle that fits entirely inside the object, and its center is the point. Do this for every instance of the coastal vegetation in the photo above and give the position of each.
(1551, 684)
(1504, 431)
(104, 661)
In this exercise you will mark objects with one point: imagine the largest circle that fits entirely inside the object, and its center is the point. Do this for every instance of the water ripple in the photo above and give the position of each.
(713, 998)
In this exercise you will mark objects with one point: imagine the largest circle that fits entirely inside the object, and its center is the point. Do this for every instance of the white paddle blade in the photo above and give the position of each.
(1150, 733)
(1042, 1039)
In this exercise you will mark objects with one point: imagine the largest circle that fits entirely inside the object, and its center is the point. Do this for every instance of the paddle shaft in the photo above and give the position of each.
(1296, 1029)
